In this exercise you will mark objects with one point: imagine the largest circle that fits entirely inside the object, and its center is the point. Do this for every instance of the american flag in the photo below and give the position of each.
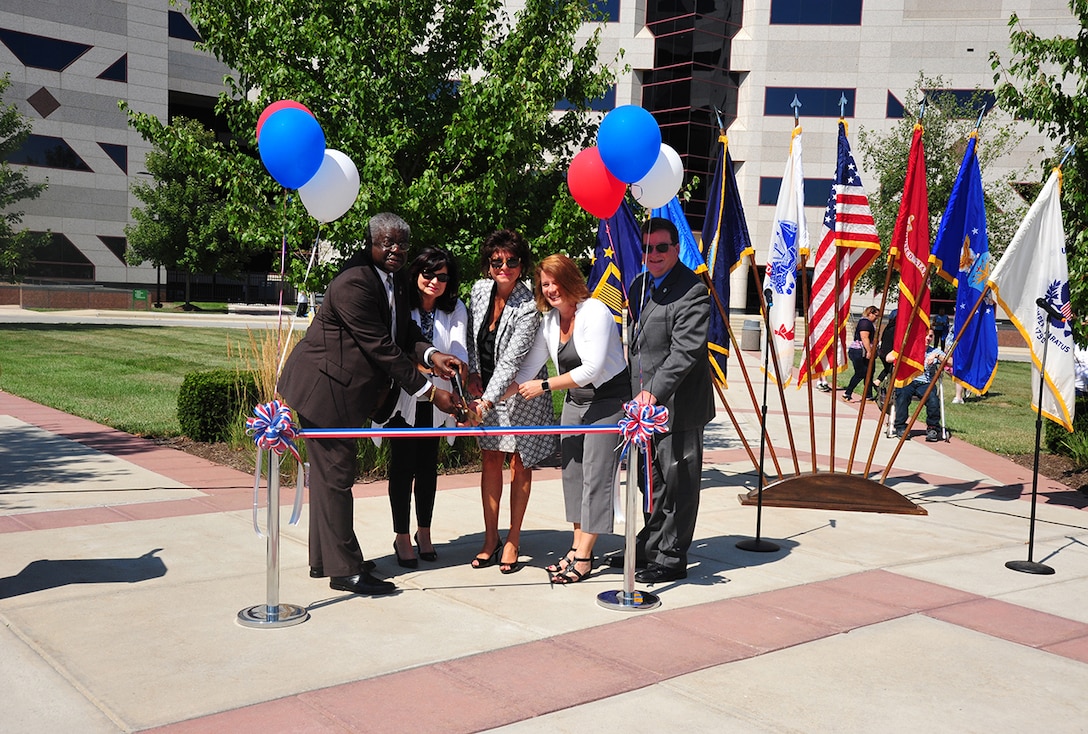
(848, 224)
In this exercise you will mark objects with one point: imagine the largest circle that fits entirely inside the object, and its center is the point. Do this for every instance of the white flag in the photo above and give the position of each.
(1033, 267)
(789, 238)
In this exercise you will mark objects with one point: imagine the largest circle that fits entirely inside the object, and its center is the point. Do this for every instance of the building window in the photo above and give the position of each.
(893, 108)
(117, 71)
(605, 10)
(117, 153)
(60, 260)
(966, 103)
(604, 103)
(815, 101)
(180, 27)
(116, 245)
(48, 152)
(816, 190)
(816, 12)
(41, 52)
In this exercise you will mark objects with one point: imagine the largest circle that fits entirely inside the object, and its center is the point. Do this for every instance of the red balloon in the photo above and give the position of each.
(276, 107)
(592, 186)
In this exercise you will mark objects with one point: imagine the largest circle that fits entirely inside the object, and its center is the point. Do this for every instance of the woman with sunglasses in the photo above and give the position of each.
(443, 319)
(580, 336)
(503, 321)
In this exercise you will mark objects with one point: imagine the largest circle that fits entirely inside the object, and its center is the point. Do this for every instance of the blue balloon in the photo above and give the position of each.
(292, 146)
(629, 141)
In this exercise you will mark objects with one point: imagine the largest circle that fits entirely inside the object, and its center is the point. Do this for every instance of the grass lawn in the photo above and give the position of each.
(128, 378)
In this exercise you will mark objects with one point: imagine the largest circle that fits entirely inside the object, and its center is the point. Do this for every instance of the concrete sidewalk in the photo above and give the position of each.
(125, 565)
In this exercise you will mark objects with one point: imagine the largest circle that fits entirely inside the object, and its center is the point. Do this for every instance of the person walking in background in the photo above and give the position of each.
(503, 322)
(916, 389)
(579, 334)
(361, 343)
(667, 351)
(443, 320)
(940, 327)
(861, 351)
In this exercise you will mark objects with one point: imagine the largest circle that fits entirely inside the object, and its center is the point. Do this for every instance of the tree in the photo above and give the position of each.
(1045, 81)
(947, 123)
(183, 223)
(17, 247)
(447, 107)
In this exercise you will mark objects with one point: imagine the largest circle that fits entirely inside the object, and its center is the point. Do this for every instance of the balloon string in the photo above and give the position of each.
(291, 325)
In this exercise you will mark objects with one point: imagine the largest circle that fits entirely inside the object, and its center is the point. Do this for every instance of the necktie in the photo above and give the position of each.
(392, 306)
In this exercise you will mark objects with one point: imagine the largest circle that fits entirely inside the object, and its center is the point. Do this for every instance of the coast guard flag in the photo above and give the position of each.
(962, 255)
(789, 238)
(617, 259)
(850, 244)
(725, 243)
(1034, 266)
(909, 251)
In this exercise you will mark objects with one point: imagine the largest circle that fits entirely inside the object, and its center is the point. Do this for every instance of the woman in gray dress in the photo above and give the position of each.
(503, 321)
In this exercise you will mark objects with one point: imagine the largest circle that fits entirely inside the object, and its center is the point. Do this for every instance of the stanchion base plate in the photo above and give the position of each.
(619, 601)
(264, 617)
(1030, 567)
(758, 545)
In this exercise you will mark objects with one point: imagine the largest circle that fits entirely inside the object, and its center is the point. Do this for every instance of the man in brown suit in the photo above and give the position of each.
(361, 346)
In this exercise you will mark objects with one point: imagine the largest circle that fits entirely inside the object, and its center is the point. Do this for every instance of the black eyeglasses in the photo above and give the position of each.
(661, 247)
(440, 277)
(390, 245)
(510, 262)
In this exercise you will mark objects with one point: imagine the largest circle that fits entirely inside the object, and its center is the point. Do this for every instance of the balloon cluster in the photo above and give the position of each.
(628, 151)
(292, 148)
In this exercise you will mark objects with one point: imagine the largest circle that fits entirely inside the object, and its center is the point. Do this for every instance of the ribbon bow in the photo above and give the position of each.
(272, 429)
(641, 422)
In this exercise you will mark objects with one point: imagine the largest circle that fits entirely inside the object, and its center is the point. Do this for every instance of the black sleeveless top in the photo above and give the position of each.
(618, 387)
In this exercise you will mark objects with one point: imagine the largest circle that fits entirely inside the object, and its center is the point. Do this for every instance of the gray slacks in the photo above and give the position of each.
(590, 464)
(677, 475)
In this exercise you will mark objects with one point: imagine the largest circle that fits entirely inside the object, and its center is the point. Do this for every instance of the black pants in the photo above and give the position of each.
(413, 460)
(861, 368)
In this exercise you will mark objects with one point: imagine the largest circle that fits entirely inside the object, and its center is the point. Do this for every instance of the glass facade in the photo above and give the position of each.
(180, 27)
(607, 10)
(60, 260)
(116, 245)
(47, 151)
(689, 79)
(816, 190)
(41, 52)
(117, 153)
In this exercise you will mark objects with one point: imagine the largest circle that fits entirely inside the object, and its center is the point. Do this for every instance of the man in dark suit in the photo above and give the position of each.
(667, 350)
(361, 347)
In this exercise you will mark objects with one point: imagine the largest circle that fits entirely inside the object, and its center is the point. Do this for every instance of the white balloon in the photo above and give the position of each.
(333, 189)
(657, 187)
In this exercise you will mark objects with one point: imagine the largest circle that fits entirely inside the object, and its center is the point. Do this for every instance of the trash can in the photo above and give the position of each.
(750, 336)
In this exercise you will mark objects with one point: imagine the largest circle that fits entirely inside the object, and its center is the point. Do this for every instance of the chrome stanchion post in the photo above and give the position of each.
(627, 599)
(272, 613)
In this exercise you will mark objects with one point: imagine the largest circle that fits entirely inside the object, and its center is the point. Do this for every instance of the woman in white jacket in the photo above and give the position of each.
(443, 319)
(582, 339)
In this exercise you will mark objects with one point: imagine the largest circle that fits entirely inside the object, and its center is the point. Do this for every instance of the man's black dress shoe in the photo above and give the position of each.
(362, 583)
(617, 562)
(317, 572)
(655, 573)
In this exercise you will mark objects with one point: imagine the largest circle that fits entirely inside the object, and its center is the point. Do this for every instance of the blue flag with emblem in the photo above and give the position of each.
(617, 259)
(961, 252)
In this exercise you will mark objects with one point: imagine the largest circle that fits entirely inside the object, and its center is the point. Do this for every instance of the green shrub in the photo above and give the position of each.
(209, 402)
(1057, 440)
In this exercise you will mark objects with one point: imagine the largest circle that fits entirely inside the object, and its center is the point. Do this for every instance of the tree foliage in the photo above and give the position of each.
(1045, 81)
(447, 107)
(183, 223)
(947, 123)
(17, 246)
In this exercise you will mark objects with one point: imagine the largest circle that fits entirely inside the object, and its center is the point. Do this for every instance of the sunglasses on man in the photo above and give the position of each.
(510, 262)
(661, 247)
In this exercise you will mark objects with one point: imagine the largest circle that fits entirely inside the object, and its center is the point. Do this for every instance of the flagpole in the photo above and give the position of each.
(808, 364)
(888, 393)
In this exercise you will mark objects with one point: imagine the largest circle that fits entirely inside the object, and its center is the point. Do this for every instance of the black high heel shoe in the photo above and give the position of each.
(491, 560)
(430, 556)
(404, 562)
(514, 565)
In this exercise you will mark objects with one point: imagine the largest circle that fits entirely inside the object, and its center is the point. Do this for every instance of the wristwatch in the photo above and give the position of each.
(545, 386)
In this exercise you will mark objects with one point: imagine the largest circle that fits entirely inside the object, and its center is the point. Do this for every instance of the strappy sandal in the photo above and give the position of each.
(555, 568)
(567, 578)
(514, 566)
(485, 561)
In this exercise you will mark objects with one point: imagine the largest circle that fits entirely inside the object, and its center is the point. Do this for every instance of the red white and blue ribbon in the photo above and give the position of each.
(272, 428)
(638, 426)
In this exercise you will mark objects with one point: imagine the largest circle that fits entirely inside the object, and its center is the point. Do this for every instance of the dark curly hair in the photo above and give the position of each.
(430, 260)
(506, 240)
